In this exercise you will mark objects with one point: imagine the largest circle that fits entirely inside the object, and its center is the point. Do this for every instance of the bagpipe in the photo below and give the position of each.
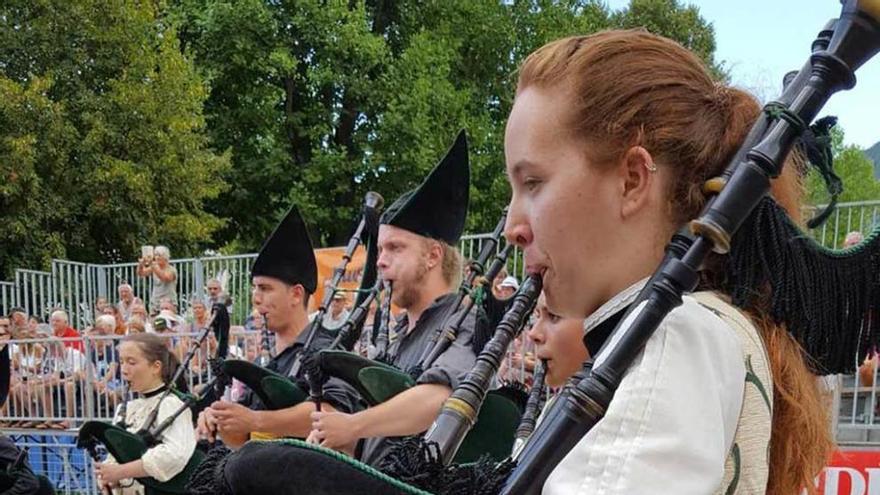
(378, 380)
(278, 391)
(416, 465)
(740, 220)
(126, 446)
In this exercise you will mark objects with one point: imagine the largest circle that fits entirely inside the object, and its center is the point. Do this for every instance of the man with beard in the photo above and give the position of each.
(284, 276)
(417, 256)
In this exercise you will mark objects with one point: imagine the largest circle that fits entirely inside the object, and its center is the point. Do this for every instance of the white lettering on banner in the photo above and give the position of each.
(833, 477)
(873, 481)
(850, 472)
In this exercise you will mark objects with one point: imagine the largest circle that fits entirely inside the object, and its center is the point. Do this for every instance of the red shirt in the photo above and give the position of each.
(69, 333)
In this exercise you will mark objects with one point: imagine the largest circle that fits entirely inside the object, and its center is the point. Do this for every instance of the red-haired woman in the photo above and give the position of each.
(609, 142)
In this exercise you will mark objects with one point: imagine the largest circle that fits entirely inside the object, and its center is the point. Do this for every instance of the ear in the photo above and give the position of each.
(435, 254)
(638, 173)
(157, 367)
(297, 292)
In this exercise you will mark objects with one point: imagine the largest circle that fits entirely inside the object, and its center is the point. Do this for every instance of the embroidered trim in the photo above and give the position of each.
(613, 305)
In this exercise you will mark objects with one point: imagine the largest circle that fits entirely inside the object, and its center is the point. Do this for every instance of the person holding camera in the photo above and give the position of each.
(156, 263)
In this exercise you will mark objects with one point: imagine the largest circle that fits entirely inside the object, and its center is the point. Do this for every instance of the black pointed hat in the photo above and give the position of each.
(438, 207)
(288, 255)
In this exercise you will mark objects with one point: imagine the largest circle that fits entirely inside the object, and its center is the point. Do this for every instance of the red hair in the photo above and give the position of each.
(631, 88)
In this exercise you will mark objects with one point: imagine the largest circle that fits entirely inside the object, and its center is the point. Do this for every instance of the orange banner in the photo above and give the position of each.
(328, 259)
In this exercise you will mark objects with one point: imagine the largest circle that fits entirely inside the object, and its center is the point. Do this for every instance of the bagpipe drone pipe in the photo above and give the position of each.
(826, 299)
(126, 446)
(377, 381)
(278, 391)
(415, 465)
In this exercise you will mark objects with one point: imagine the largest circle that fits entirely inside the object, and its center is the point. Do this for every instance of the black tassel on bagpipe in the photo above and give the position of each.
(735, 219)
(209, 479)
(827, 299)
(427, 463)
(420, 464)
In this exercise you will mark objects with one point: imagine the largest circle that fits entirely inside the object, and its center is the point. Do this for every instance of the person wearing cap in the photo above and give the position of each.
(508, 287)
(338, 314)
(284, 276)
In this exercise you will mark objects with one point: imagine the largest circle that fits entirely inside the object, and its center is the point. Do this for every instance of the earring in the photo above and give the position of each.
(652, 167)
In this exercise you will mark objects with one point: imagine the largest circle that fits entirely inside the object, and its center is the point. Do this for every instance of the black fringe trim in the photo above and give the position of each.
(827, 299)
(208, 479)
(417, 463)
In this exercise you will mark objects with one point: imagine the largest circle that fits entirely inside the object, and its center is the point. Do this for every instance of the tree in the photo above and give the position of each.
(321, 101)
(857, 173)
(101, 134)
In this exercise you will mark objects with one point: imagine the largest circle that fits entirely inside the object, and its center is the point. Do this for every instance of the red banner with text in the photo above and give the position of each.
(851, 472)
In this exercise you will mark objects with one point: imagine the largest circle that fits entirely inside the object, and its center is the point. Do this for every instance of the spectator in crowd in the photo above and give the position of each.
(507, 288)
(126, 300)
(854, 238)
(5, 337)
(163, 274)
(136, 324)
(105, 380)
(33, 323)
(27, 361)
(18, 319)
(519, 362)
(168, 308)
(254, 322)
(168, 312)
(338, 312)
(216, 295)
(63, 370)
(62, 329)
(496, 282)
(100, 304)
(201, 317)
(138, 310)
(121, 327)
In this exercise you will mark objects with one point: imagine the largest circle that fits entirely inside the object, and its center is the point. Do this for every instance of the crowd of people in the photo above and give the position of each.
(50, 365)
(55, 367)
(614, 143)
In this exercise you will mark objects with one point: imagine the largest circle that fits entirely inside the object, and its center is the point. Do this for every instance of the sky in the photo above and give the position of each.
(760, 40)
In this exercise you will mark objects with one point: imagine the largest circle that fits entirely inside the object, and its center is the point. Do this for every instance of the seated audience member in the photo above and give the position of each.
(62, 329)
(105, 378)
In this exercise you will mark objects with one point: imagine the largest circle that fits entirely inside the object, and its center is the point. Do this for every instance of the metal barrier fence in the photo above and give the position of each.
(861, 216)
(57, 383)
(55, 456)
(75, 286)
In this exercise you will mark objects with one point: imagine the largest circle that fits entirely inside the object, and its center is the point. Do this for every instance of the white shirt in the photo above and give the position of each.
(168, 458)
(673, 419)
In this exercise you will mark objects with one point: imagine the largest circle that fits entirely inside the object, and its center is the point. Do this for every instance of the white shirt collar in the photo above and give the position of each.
(623, 299)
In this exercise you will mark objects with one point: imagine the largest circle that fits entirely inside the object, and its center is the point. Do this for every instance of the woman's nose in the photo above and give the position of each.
(516, 228)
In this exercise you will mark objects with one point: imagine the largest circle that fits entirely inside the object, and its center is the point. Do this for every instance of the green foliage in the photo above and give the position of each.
(854, 169)
(101, 135)
(859, 184)
(321, 101)
(110, 113)
(676, 21)
(873, 154)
